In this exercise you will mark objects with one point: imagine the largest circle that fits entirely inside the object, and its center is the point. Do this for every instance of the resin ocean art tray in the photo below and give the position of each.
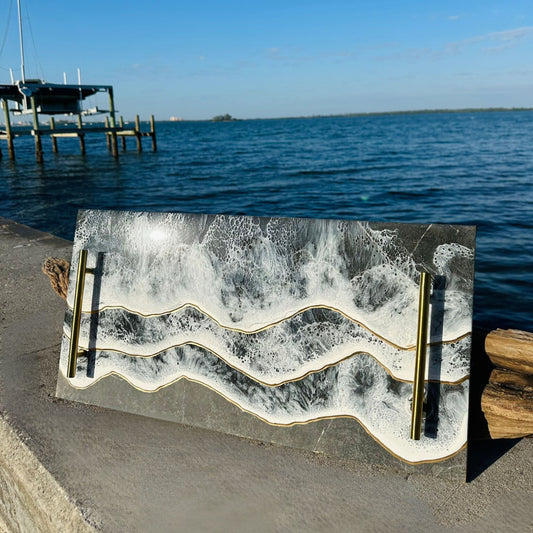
(309, 333)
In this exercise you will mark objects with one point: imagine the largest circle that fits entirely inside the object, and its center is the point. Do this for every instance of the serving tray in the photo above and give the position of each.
(301, 332)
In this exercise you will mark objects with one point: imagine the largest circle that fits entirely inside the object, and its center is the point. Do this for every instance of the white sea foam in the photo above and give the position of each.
(248, 273)
(287, 351)
(357, 387)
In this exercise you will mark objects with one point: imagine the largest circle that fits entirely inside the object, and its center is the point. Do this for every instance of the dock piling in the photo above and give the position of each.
(54, 139)
(152, 132)
(36, 132)
(114, 144)
(81, 135)
(107, 135)
(122, 137)
(138, 133)
(9, 133)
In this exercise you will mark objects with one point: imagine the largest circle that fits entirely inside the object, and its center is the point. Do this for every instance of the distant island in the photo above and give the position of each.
(223, 118)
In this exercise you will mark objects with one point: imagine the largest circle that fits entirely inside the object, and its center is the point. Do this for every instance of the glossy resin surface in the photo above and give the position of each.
(294, 321)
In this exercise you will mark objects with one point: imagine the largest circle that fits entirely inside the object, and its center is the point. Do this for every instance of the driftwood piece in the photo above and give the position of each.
(507, 402)
(57, 271)
(511, 348)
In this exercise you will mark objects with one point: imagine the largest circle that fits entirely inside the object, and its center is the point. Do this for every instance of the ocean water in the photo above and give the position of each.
(454, 168)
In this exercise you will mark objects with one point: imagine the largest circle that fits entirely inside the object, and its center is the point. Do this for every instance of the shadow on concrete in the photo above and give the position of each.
(482, 454)
(482, 451)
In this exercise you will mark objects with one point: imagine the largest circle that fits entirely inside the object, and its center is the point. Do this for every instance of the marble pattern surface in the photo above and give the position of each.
(293, 320)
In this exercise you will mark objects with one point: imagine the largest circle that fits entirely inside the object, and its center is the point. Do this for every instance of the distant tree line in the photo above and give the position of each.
(423, 111)
(223, 118)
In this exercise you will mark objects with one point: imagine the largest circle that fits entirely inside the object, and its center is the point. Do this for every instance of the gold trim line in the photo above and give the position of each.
(273, 324)
(273, 385)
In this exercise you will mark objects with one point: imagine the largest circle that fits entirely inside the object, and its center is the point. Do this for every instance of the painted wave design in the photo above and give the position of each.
(270, 313)
(357, 387)
(306, 343)
(248, 273)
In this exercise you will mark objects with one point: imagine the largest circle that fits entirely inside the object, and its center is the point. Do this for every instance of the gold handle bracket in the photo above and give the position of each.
(74, 351)
(421, 348)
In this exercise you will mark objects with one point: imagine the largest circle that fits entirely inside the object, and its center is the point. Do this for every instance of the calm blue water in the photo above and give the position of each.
(464, 168)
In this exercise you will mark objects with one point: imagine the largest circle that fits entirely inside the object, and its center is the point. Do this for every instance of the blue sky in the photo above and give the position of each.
(197, 59)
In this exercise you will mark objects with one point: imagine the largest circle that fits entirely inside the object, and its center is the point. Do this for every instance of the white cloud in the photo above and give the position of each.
(491, 43)
(507, 35)
(275, 53)
(289, 56)
(498, 49)
(510, 37)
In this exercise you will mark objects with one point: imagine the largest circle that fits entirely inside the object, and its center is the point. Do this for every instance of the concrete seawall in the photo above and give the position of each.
(71, 467)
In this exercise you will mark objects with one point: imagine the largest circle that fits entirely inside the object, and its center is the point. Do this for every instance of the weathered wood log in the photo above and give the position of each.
(57, 271)
(507, 403)
(511, 348)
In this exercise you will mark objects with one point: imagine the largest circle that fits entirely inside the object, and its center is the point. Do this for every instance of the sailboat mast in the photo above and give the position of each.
(23, 74)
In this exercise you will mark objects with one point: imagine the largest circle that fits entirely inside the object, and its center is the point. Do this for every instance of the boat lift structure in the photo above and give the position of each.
(36, 97)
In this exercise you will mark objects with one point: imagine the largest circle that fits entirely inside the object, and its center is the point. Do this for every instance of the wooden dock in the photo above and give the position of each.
(42, 96)
(112, 134)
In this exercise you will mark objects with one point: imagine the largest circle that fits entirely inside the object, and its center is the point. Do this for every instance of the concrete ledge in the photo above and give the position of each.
(30, 498)
(66, 466)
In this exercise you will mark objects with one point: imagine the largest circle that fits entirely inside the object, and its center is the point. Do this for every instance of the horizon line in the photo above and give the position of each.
(360, 114)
